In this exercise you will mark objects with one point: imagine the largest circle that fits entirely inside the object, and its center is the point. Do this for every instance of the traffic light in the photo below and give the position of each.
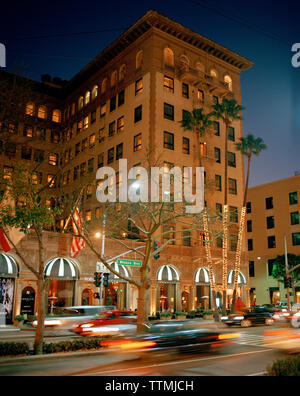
(156, 246)
(105, 280)
(97, 279)
(287, 281)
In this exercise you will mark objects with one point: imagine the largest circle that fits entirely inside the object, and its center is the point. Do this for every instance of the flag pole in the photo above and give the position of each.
(72, 211)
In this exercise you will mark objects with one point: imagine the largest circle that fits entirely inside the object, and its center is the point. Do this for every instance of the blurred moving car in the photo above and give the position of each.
(182, 335)
(67, 317)
(295, 320)
(250, 317)
(108, 323)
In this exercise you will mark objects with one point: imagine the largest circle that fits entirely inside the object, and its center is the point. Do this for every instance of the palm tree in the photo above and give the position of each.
(228, 111)
(248, 146)
(199, 122)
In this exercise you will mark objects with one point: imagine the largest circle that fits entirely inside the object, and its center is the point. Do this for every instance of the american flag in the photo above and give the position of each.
(77, 242)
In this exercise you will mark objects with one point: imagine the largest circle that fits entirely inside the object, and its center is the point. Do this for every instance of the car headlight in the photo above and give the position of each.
(238, 318)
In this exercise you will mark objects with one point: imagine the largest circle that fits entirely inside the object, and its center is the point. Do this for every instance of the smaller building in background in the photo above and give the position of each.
(272, 212)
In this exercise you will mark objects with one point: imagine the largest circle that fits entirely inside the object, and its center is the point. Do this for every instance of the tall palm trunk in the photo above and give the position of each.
(207, 240)
(240, 238)
(210, 267)
(225, 224)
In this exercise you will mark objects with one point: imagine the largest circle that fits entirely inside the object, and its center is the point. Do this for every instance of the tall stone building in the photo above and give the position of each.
(127, 103)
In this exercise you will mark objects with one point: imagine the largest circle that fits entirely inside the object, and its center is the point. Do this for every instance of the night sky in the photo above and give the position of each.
(60, 37)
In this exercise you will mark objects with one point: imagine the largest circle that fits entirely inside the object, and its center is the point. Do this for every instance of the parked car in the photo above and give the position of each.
(67, 317)
(107, 323)
(249, 317)
(180, 335)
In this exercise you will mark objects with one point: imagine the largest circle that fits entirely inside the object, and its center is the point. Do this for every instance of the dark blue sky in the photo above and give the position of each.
(262, 31)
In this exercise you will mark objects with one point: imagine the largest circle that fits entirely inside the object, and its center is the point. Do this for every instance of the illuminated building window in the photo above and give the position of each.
(92, 140)
(169, 84)
(94, 92)
(137, 142)
(56, 115)
(42, 112)
(87, 98)
(51, 181)
(88, 215)
(83, 169)
(139, 86)
(103, 110)
(36, 178)
(80, 103)
(228, 81)
(53, 159)
(29, 110)
(213, 73)
(85, 122)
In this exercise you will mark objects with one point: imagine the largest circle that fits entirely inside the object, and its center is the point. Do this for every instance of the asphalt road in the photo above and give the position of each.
(248, 355)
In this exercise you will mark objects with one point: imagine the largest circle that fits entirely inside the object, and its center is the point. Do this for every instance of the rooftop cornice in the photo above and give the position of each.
(152, 19)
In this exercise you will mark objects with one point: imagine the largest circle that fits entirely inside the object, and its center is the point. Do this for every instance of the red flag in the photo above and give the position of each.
(77, 242)
(4, 242)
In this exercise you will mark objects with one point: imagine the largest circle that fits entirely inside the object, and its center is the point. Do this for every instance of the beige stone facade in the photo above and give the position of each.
(274, 214)
(120, 106)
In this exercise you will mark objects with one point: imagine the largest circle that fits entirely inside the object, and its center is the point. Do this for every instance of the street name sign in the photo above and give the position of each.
(132, 263)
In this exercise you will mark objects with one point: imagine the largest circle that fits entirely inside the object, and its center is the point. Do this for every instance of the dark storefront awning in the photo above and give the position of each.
(8, 266)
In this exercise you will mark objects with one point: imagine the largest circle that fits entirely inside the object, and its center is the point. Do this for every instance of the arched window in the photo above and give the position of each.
(113, 78)
(80, 103)
(94, 92)
(228, 81)
(56, 115)
(103, 85)
(214, 73)
(184, 62)
(122, 72)
(139, 59)
(42, 112)
(168, 57)
(29, 110)
(87, 98)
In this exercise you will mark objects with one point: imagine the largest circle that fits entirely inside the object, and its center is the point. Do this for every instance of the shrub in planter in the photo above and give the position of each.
(208, 314)
(289, 367)
(14, 348)
(180, 315)
(72, 346)
(165, 315)
(191, 315)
